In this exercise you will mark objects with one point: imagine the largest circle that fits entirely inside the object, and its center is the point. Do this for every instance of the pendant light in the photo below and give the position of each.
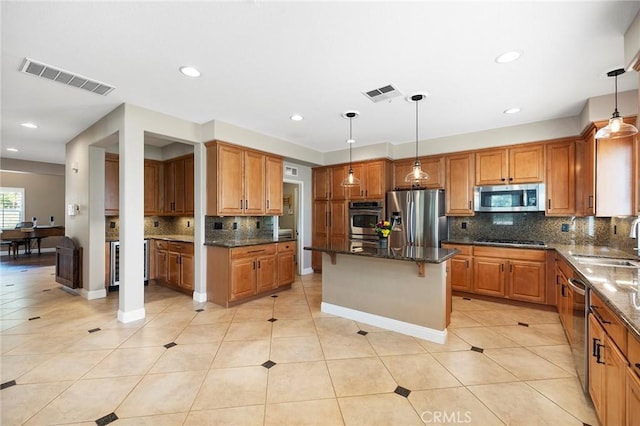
(351, 180)
(416, 176)
(616, 128)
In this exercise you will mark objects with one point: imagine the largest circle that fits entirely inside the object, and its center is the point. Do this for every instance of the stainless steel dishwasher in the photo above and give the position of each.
(579, 344)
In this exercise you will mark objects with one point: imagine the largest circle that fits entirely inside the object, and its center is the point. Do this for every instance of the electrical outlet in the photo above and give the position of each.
(258, 225)
(565, 227)
(615, 229)
(156, 224)
(217, 225)
(235, 225)
(188, 224)
(112, 225)
(464, 225)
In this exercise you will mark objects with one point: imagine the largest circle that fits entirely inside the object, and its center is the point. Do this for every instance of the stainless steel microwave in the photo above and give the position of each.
(510, 198)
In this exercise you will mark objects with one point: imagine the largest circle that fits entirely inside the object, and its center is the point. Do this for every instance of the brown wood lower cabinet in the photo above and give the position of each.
(460, 274)
(173, 265)
(239, 274)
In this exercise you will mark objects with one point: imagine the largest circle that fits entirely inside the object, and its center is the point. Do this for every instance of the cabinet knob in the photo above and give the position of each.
(503, 179)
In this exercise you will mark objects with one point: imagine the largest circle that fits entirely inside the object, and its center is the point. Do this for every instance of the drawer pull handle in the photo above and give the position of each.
(597, 314)
(638, 365)
(598, 360)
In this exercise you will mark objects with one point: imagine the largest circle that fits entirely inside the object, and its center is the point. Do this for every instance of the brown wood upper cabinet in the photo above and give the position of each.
(521, 164)
(179, 186)
(434, 166)
(112, 184)
(373, 180)
(459, 184)
(561, 178)
(238, 182)
(152, 173)
(326, 182)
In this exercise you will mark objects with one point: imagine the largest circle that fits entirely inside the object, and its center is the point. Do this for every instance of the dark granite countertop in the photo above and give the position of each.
(181, 238)
(231, 243)
(467, 241)
(410, 253)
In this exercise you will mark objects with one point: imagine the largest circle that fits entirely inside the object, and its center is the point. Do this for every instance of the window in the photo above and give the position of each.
(12, 200)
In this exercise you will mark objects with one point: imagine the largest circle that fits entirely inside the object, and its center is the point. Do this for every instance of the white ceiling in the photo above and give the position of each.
(262, 61)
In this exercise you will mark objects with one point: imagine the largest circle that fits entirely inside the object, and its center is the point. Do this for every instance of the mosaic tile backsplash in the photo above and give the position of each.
(153, 225)
(601, 231)
(237, 228)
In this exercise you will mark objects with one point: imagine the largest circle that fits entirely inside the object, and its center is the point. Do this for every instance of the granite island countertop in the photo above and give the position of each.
(408, 253)
(244, 242)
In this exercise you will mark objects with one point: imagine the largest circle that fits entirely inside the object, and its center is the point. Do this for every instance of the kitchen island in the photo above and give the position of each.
(403, 289)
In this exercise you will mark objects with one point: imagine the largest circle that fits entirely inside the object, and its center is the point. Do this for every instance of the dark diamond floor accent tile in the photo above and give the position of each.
(465, 298)
(8, 384)
(47, 289)
(274, 295)
(33, 318)
(524, 324)
(268, 364)
(200, 310)
(477, 349)
(93, 330)
(170, 345)
(402, 391)
(272, 319)
(109, 418)
(362, 332)
(9, 285)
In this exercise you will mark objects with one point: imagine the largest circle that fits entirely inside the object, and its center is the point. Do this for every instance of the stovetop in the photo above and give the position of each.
(511, 241)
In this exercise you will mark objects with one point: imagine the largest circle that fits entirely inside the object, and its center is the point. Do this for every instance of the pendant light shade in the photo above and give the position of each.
(416, 176)
(351, 180)
(616, 128)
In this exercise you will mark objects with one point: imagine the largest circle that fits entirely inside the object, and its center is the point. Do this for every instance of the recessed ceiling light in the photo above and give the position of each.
(512, 111)
(12, 149)
(190, 71)
(507, 57)
(29, 125)
(296, 117)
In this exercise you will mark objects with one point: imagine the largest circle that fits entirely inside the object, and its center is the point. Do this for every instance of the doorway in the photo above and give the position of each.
(289, 222)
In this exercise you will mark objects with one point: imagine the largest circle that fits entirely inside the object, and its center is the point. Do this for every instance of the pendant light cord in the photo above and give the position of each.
(417, 130)
(616, 93)
(350, 139)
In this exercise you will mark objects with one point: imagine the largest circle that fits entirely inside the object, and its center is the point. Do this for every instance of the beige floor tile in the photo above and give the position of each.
(254, 312)
(202, 333)
(242, 353)
(419, 371)
(452, 343)
(524, 364)
(518, 403)
(452, 406)
(249, 330)
(361, 376)
(65, 366)
(251, 415)
(20, 402)
(152, 336)
(214, 316)
(9, 342)
(369, 328)
(383, 410)
(535, 316)
(126, 362)
(568, 394)
(12, 367)
(560, 355)
(172, 319)
(484, 337)
(472, 368)
(301, 413)
(99, 397)
(232, 387)
(294, 311)
(299, 382)
(162, 394)
(103, 339)
(340, 346)
(295, 349)
(534, 335)
(461, 319)
(494, 317)
(186, 358)
(46, 343)
(335, 325)
(392, 343)
(159, 420)
(294, 327)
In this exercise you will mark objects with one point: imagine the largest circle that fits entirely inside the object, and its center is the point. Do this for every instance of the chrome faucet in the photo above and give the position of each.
(635, 230)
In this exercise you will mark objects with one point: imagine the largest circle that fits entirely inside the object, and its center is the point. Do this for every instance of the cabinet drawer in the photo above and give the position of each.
(286, 247)
(634, 353)
(564, 267)
(253, 251)
(509, 253)
(612, 325)
(162, 245)
(465, 249)
(185, 248)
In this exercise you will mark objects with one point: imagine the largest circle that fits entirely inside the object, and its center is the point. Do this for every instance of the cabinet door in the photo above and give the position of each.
(169, 187)
(434, 166)
(459, 185)
(527, 281)
(230, 180)
(243, 278)
(526, 164)
(633, 399)
(319, 237)
(151, 187)
(489, 276)
(461, 273)
(491, 167)
(375, 180)
(614, 189)
(189, 188)
(615, 383)
(636, 179)
(173, 260)
(587, 175)
(321, 183)
(286, 268)
(400, 170)
(356, 192)
(161, 265)
(179, 187)
(112, 185)
(273, 186)
(254, 165)
(187, 271)
(338, 222)
(266, 272)
(596, 365)
(561, 181)
(337, 174)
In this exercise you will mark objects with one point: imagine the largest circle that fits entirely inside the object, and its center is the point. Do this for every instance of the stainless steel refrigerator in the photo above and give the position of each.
(417, 217)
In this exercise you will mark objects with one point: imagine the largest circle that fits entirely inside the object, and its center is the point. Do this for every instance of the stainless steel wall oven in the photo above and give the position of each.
(363, 215)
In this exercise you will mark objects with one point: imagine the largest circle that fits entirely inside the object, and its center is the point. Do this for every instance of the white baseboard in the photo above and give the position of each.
(307, 271)
(94, 294)
(131, 316)
(437, 336)
(199, 297)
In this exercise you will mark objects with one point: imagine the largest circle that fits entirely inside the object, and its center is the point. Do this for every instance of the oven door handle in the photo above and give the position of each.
(577, 286)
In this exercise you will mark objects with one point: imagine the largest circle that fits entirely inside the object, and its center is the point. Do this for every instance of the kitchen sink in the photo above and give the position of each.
(607, 261)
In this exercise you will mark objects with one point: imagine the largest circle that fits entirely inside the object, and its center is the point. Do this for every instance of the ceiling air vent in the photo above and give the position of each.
(291, 171)
(49, 72)
(384, 93)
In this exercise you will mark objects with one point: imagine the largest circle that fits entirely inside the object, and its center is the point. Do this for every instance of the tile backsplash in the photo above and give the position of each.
(153, 225)
(238, 227)
(601, 231)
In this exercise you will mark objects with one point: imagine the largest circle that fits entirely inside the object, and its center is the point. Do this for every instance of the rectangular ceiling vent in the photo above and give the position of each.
(384, 93)
(290, 171)
(49, 72)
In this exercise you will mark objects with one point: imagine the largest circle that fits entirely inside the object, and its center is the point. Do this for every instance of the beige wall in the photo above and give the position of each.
(44, 197)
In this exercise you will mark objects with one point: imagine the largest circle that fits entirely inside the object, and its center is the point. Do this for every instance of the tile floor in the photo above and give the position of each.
(73, 363)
